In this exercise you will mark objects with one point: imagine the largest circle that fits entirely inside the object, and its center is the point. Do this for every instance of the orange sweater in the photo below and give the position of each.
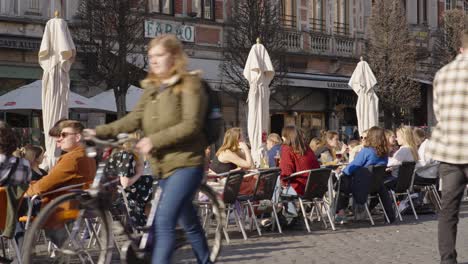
(73, 167)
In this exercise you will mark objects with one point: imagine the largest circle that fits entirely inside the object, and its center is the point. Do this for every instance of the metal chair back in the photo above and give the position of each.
(317, 183)
(378, 174)
(232, 187)
(405, 176)
(266, 184)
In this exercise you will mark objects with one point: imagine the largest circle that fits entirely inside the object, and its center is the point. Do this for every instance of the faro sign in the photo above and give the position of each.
(155, 28)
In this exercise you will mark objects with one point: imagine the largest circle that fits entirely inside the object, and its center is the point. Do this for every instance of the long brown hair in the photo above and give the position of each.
(172, 45)
(376, 139)
(231, 140)
(8, 139)
(293, 138)
(328, 136)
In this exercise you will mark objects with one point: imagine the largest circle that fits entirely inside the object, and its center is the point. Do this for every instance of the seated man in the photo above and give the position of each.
(74, 167)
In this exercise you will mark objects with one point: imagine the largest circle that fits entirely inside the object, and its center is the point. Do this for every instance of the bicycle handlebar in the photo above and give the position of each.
(121, 139)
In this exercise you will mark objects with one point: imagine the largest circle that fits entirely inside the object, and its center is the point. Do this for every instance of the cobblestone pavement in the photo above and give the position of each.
(409, 241)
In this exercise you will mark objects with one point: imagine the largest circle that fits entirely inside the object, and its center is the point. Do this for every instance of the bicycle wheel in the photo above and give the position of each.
(216, 219)
(69, 230)
(212, 215)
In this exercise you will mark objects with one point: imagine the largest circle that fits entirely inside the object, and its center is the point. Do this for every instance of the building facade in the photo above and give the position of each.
(324, 41)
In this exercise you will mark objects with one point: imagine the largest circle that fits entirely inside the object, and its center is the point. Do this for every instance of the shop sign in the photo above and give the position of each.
(155, 28)
(337, 85)
(19, 43)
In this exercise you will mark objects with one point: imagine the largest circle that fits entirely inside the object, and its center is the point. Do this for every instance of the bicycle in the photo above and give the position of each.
(91, 230)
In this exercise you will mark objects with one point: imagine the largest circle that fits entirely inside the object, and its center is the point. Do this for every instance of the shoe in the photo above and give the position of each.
(341, 219)
(5, 260)
(265, 222)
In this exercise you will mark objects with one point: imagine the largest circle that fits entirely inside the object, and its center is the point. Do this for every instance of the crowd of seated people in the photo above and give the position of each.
(15, 174)
(74, 167)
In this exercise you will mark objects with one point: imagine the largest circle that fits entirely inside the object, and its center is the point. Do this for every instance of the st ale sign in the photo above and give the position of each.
(155, 28)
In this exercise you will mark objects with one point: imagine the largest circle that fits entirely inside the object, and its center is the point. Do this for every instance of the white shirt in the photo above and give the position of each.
(426, 166)
(401, 155)
(423, 159)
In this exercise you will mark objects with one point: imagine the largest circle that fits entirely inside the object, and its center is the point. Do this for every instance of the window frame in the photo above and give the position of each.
(421, 12)
(318, 22)
(342, 27)
(202, 10)
(160, 11)
(450, 4)
(292, 21)
(34, 5)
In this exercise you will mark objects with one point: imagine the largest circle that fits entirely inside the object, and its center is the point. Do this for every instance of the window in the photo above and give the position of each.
(422, 11)
(317, 21)
(34, 4)
(8, 7)
(288, 13)
(202, 9)
(450, 4)
(342, 17)
(162, 6)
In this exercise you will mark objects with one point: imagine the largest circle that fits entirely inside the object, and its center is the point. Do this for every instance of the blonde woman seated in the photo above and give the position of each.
(233, 154)
(408, 151)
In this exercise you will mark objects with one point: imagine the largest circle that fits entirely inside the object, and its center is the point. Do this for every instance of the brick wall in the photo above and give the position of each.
(189, 6)
(440, 12)
(219, 10)
(207, 35)
(179, 7)
(318, 65)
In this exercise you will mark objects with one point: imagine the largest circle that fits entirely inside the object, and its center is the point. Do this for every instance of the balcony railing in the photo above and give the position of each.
(333, 45)
(293, 39)
(344, 46)
(317, 25)
(320, 43)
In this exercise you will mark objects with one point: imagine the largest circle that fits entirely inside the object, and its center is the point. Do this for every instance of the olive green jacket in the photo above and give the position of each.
(173, 121)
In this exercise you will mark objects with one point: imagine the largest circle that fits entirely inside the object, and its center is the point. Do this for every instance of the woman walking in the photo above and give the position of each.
(171, 113)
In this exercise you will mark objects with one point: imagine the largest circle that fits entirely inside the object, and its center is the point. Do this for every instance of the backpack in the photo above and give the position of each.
(214, 122)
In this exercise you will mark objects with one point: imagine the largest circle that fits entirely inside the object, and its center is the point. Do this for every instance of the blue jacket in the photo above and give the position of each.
(366, 157)
(272, 154)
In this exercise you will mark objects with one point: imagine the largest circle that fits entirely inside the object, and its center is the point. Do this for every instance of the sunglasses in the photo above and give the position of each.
(66, 134)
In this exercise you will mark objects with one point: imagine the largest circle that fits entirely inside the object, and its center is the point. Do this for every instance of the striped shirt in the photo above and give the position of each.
(449, 141)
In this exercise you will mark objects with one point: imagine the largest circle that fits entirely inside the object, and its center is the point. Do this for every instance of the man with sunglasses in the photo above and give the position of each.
(73, 167)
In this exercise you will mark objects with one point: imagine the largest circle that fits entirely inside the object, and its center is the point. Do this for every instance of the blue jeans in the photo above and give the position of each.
(175, 206)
